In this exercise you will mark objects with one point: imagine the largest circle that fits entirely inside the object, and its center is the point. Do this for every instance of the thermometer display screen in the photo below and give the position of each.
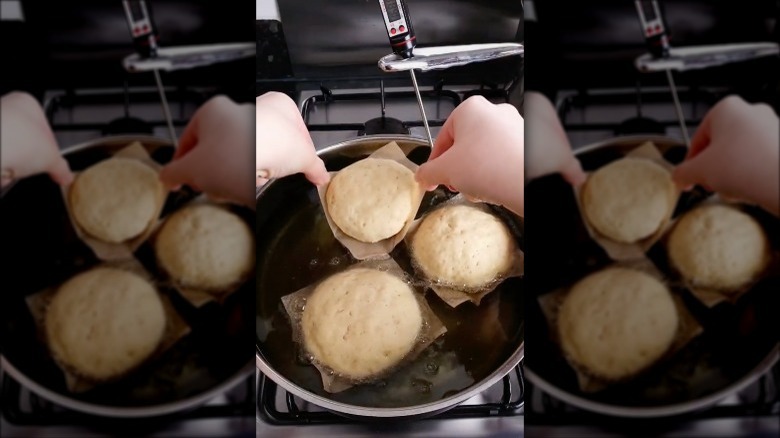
(393, 14)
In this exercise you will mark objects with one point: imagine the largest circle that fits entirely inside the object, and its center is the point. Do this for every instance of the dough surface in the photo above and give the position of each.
(104, 322)
(463, 246)
(372, 199)
(718, 247)
(617, 322)
(116, 199)
(206, 247)
(361, 322)
(628, 199)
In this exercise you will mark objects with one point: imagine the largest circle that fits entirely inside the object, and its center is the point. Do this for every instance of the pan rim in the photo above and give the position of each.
(123, 411)
(656, 411)
(513, 361)
(267, 370)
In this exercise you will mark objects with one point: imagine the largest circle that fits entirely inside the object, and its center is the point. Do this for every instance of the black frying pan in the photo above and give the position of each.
(41, 250)
(739, 342)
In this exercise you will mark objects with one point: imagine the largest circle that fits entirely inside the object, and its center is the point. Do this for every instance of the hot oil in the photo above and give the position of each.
(298, 248)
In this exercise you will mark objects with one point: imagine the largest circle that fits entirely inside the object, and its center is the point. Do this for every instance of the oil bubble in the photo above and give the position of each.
(422, 386)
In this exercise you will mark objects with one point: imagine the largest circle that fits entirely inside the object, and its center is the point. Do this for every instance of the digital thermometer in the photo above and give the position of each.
(139, 18)
(653, 28)
(399, 27)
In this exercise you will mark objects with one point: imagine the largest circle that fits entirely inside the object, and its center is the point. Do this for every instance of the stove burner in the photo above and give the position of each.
(640, 125)
(384, 125)
(127, 125)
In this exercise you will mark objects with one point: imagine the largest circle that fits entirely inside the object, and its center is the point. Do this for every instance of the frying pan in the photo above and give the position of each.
(42, 250)
(739, 342)
(296, 248)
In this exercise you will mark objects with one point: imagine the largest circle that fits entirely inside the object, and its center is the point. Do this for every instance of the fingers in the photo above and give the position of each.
(702, 137)
(445, 139)
(691, 172)
(435, 172)
(178, 172)
(572, 172)
(189, 138)
(316, 172)
(60, 172)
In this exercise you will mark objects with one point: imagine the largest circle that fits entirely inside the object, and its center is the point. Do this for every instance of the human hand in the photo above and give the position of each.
(548, 149)
(27, 145)
(215, 152)
(735, 152)
(282, 142)
(479, 152)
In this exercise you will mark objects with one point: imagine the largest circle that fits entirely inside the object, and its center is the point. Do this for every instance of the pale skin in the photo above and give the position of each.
(27, 144)
(736, 152)
(214, 152)
(283, 145)
(548, 150)
(479, 152)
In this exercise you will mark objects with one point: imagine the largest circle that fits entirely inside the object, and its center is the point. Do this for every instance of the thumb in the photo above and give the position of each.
(316, 172)
(178, 172)
(573, 173)
(688, 173)
(60, 172)
(434, 173)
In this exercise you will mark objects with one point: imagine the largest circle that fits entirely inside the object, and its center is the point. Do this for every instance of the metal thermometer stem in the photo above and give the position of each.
(166, 110)
(422, 108)
(678, 108)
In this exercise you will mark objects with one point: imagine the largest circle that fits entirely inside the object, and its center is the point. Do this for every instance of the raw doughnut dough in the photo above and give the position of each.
(718, 247)
(372, 199)
(206, 247)
(103, 323)
(617, 322)
(116, 199)
(463, 246)
(628, 199)
(361, 322)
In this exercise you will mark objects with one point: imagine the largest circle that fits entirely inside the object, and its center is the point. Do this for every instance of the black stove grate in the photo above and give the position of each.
(510, 404)
(38, 411)
(127, 98)
(698, 99)
(493, 92)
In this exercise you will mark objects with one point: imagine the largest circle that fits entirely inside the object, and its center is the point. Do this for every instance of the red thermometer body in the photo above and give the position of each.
(399, 27)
